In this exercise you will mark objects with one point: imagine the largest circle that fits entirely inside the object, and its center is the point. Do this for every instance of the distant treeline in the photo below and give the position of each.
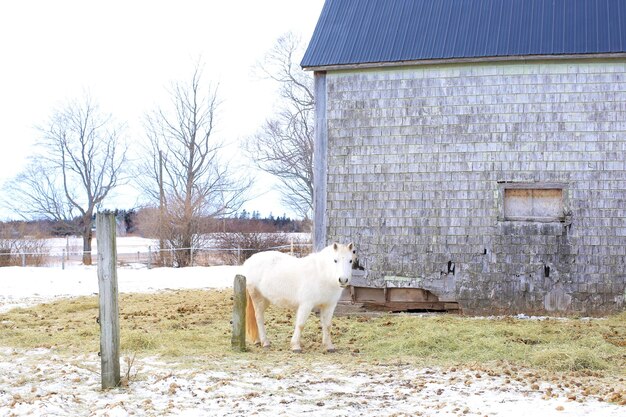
(141, 222)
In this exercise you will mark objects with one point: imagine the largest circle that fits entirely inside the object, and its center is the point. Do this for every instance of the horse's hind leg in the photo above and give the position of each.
(260, 304)
(326, 316)
(304, 310)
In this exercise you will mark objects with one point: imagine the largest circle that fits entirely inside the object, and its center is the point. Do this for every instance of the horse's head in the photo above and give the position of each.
(343, 257)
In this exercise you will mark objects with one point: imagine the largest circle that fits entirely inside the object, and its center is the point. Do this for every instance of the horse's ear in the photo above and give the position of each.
(335, 246)
(350, 246)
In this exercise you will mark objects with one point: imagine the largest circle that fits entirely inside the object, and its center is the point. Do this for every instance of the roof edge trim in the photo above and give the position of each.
(512, 58)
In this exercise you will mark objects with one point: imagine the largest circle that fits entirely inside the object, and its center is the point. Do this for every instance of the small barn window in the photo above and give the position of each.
(533, 204)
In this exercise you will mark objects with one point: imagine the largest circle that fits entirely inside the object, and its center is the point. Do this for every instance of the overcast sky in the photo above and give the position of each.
(126, 53)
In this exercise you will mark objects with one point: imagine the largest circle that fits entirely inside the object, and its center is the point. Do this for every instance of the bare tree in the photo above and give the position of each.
(79, 163)
(186, 176)
(283, 146)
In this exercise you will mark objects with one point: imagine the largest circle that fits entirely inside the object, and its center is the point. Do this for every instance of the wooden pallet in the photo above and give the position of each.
(396, 299)
(450, 307)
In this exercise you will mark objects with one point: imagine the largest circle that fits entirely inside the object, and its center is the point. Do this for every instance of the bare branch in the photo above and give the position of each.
(195, 182)
(283, 147)
(80, 163)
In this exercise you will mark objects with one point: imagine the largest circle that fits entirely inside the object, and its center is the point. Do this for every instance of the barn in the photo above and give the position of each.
(476, 149)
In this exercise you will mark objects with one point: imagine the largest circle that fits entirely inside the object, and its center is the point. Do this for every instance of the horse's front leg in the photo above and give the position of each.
(326, 316)
(304, 310)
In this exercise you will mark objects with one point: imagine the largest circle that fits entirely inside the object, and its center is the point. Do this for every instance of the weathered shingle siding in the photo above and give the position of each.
(416, 158)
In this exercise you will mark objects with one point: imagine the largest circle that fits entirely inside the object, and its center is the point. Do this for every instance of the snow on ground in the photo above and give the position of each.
(42, 382)
(25, 286)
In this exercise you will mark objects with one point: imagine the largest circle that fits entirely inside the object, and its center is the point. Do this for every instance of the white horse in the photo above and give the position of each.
(300, 284)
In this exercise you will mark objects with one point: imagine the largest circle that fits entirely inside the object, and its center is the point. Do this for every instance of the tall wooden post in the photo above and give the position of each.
(109, 311)
(238, 340)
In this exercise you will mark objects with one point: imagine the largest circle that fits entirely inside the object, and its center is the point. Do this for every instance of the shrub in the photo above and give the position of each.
(240, 246)
(11, 251)
(17, 238)
(5, 256)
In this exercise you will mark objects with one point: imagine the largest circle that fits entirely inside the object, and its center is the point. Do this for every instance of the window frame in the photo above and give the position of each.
(505, 185)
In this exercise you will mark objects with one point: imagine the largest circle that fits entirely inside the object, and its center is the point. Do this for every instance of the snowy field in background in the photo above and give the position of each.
(133, 244)
(128, 244)
(25, 286)
(22, 287)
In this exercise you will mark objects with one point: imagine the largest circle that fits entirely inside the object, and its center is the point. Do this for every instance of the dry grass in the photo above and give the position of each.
(192, 324)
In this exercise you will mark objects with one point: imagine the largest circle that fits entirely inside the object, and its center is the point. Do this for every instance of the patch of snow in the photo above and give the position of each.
(27, 286)
(39, 382)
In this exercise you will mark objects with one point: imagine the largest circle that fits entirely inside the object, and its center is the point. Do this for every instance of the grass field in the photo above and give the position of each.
(197, 323)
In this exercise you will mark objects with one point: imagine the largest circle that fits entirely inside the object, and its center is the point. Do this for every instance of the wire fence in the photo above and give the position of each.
(149, 256)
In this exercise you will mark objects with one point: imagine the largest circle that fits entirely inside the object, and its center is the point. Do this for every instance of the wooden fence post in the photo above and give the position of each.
(109, 310)
(238, 340)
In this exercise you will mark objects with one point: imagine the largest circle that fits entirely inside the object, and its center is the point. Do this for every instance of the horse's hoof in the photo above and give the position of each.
(296, 350)
(266, 347)
(333, 350)
(257, 344)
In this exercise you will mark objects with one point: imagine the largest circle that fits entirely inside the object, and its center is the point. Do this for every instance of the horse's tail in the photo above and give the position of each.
(252, 330)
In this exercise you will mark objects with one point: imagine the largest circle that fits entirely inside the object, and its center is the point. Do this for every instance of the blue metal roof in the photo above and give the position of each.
(378, 31)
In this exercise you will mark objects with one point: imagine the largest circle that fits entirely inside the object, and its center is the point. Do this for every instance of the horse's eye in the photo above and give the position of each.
(335, 261)
(350, 261)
